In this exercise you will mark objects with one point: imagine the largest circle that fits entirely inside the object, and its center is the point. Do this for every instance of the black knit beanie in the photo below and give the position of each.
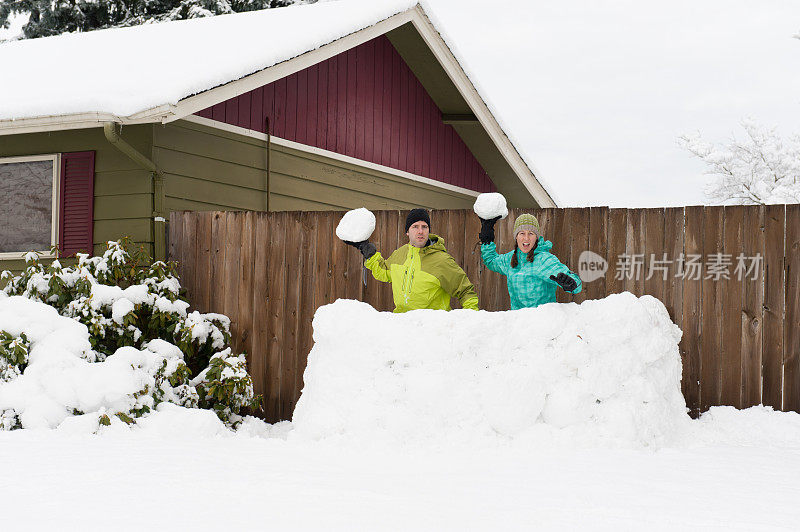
(417, 215)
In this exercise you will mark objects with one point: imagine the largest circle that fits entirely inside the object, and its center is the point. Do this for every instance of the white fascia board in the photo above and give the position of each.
(203, 100)
(328, 154)
(55, 123)
(74, 121)
(462, 82)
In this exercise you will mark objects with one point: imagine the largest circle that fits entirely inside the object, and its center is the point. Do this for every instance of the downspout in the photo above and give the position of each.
(159, 219)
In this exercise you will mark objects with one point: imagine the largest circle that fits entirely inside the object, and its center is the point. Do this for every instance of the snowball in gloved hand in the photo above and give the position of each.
(356, 225)
(490, 205)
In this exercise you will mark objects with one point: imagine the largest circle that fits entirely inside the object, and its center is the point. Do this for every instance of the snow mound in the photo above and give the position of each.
(356, 225)
(603, 372)
(490, 205)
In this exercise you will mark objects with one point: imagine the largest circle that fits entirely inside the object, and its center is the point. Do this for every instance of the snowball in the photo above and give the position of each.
(605, 372)
(490, 205)
(356, 225)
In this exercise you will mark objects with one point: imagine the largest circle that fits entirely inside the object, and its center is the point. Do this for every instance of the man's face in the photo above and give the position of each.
(418, 234)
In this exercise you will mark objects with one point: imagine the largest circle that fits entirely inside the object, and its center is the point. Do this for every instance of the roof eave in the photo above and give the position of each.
(41, 124)
(485, 117)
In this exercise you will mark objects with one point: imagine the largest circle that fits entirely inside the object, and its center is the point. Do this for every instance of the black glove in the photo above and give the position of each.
(565, 281)
(487, 230)
(366, 247)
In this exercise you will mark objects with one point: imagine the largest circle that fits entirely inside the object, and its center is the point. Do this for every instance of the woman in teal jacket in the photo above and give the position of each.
(532, 273)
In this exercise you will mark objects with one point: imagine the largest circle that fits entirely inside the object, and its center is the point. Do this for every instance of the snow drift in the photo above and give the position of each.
(604, 371)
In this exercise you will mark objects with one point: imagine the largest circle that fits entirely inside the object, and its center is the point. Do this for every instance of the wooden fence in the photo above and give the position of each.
(741, 333)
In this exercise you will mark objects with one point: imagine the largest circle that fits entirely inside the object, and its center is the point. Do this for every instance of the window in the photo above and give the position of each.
(29, 187)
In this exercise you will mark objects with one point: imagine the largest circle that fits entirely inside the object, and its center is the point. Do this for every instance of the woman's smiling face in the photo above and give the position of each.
(526, 240)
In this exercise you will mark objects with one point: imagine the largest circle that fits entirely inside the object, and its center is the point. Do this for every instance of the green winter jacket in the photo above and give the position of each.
(423, 277)
(529, 284)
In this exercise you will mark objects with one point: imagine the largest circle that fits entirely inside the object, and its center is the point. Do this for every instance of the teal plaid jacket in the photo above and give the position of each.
(529, 284)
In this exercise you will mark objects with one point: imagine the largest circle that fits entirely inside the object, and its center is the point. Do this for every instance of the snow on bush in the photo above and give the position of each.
(603, 371)
(356, 225)
(111, 339)
(490, 205)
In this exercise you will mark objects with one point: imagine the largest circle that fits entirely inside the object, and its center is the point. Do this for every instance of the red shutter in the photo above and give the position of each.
(76, 203)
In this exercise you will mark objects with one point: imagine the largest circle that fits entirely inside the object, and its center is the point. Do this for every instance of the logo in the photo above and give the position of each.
(591, 266)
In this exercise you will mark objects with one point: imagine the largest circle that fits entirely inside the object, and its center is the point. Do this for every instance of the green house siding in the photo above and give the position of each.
(210, 169)
(122, 190)
(206, 168)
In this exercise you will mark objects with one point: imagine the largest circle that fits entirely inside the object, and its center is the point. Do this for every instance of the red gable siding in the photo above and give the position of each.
(77, 202)
(365, 103)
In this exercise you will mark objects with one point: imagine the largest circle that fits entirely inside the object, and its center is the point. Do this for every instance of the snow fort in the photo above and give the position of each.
(603, 372)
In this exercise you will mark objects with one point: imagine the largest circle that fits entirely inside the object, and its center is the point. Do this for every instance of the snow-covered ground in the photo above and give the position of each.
(428, 421)
(196, 481)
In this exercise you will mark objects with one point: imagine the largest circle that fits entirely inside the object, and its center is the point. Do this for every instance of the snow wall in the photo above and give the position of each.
(604, 371)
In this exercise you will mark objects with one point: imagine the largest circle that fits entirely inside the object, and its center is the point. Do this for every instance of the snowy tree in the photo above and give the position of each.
(52, 17)
(761, 169)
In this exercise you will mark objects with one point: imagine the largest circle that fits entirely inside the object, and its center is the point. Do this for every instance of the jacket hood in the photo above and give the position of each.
(437, 244)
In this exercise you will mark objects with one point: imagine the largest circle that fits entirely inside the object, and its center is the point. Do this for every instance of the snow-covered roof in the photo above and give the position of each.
(164, 72)
(125, 71)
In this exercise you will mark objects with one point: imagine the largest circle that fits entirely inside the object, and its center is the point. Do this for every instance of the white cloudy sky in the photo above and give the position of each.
(595, 93)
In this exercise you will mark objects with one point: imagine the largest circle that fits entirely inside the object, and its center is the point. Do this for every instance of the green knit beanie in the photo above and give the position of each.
(526, 222)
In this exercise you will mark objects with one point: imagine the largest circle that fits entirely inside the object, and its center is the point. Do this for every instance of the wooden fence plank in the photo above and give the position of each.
(634, 247)
(774, 303)
(217, 260)
(322, 274)
(394, 236)
(791, 359)
(673, 245)
(231, 271)
(245, 284)
(275, 315)
(731, 360)
(545, 219)
(711, 326)
(690, 345)
(559, 235)
(308, 257)
(176, 235)
(752, 304)
(202, 279)
(472, 251)
(293, 264)
(504, 238)
(655, 267)
(187, 257)
(598, 243)
(261, 271)
(579, 242)
(615, 250)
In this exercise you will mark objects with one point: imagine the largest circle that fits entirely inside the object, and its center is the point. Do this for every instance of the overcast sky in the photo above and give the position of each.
(595, 93)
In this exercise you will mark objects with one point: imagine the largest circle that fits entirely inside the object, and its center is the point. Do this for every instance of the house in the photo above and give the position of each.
(326, 106)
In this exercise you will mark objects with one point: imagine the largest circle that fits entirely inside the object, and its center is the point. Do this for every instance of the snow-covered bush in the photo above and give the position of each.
(135, 316)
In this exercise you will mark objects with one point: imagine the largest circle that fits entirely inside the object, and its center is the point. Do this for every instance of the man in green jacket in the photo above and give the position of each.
(422, 273)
